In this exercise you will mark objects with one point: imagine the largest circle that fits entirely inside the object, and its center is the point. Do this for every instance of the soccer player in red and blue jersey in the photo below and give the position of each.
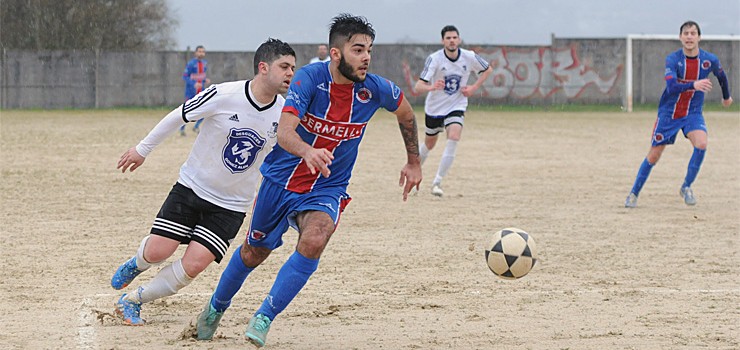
(327, 110)
(195, 79)
(687, 81)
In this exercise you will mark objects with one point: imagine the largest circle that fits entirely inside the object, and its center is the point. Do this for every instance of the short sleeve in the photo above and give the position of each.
(390, 94)
(430, 67)
(479, 63)
(301, 92)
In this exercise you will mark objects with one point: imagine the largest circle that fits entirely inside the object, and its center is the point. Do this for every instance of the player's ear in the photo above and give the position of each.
(335, 53)
(263, 67)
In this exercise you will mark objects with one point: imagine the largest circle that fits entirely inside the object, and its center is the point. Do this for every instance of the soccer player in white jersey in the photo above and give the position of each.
(207, 206)
(445, 77)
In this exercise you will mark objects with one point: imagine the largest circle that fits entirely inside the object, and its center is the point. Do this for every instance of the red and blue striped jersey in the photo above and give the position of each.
(195, 71)
(679, 98)
(333, 116)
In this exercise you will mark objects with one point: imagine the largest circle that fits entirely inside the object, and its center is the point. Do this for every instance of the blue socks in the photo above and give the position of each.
(290, 280)
(642, 176)
(230, 282)
(694, 165)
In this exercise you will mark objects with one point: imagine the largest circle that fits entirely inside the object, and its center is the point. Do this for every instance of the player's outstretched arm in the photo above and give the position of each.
(316, 158)
(135, 156)
(411, 172)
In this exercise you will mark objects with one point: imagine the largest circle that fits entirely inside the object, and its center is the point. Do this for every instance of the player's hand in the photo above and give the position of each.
(198, 85)
(410, 178)
(467, 91)
(727, 102)
(704, 85)
(438, 85)
(208, 81)
(318, 159)
(130, 158)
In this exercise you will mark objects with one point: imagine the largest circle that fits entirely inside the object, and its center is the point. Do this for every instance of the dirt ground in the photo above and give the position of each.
(396, 275)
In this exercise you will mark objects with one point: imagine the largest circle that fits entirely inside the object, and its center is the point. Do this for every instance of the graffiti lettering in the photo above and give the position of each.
(533, 73)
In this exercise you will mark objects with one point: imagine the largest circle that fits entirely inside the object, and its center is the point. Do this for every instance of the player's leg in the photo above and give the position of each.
(265, 234)
(453, 126)
(182, 130)
(434, 126)
(664, 133)
(196, 128)
(170, 228)
(141, 261)
(316, 229)
(698, 138)
(642, 174)
(316, 220)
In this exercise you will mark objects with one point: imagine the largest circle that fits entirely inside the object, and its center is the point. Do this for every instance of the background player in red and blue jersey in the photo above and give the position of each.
(195, 79)
(306, 175)
(686, 75)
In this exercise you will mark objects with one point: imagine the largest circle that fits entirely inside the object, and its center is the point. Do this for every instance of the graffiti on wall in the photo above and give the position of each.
(536, 73)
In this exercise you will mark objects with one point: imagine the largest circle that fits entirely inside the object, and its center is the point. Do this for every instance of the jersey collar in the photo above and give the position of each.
(253, 102)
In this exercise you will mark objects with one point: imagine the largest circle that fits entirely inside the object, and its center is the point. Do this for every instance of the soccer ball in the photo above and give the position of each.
(512, 253)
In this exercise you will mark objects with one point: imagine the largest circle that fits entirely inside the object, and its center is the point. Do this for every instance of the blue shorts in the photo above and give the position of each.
(666, 128)
(277, 208)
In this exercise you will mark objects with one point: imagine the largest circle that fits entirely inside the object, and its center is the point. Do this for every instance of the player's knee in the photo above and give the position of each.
(312, 243)
(157, 248)
(653, 158)
(702, 145)
(253, 256)
(194, 267)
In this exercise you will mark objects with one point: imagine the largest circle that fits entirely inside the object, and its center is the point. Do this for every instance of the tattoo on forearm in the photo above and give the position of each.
(410, 136)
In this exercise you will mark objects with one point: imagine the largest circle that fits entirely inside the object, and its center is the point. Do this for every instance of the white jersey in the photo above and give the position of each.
(234, 138)
(455, 75)
(317, 59)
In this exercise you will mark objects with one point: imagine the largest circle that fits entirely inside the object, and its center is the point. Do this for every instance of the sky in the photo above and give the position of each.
(241, 25)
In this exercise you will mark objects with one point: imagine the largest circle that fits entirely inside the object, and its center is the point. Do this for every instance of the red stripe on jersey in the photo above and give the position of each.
(340, 110)
(291, 110)
(340, 102)
(200, 72)
(684, 100)
(301, 181)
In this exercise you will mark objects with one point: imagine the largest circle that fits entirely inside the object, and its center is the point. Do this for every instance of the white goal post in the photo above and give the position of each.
(628, 58)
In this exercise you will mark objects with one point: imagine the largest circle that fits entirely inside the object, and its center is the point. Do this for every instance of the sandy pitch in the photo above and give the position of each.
(396, 275)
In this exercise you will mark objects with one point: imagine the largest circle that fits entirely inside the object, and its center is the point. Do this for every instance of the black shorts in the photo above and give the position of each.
(436, 124)
(185, 217)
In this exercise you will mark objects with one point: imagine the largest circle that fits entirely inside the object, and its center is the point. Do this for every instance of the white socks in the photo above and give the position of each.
(141, 263)
(423, 152)
(168, 281)
(448, 156)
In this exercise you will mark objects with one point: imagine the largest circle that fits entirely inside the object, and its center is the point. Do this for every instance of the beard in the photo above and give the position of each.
(348, 71)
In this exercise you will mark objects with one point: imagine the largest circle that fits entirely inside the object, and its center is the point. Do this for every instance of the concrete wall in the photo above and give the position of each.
(580, 71)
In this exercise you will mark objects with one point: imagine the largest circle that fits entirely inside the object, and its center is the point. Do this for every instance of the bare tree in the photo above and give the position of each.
(86, 24)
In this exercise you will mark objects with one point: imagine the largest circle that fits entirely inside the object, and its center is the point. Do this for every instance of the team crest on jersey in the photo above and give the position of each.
(241, 149)
(256, 235)
(452, 83)
(363, 95)
(706, 64)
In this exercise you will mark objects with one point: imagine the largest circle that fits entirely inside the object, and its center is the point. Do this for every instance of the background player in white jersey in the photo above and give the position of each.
(445, 77)
(322, 54)
(217, 183)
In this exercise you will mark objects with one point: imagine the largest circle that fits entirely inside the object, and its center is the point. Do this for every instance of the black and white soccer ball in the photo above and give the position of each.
(512, 253)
